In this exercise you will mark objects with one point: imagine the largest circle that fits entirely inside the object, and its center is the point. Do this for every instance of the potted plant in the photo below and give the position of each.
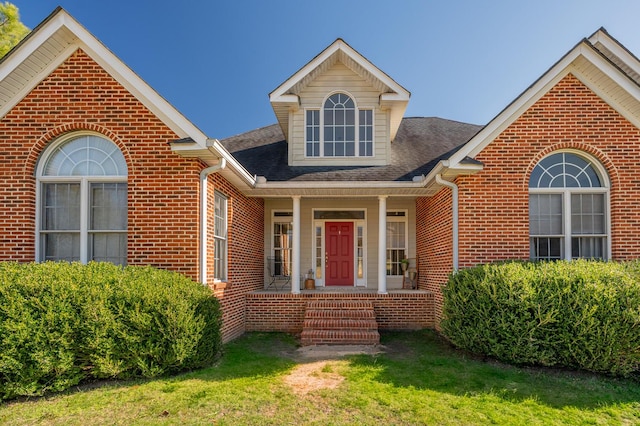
(404, 263)
(309, 282)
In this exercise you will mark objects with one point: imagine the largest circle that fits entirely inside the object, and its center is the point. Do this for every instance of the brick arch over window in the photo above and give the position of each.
(43, 142)
(598, 155)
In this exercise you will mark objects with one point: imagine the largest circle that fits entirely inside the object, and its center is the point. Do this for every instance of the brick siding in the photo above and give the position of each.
(494, 203)
(163, 188)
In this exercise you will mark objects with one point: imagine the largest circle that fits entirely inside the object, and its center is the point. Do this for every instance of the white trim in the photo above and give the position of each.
(454, 220)
(295, 254)
(405, 220)
(382, 244)
(204, 215)
(85, 197)
(567, 192)
(362, 282)
(539, 89)
(401, 94)
(356, 130)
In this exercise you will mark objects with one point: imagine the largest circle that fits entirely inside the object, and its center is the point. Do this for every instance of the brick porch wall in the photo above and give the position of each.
(273, 311)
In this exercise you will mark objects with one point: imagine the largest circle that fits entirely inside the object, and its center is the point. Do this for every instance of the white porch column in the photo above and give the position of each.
(382, 244)
(295, 250)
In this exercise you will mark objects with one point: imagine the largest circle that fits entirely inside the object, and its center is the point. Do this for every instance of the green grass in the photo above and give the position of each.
(419, 380)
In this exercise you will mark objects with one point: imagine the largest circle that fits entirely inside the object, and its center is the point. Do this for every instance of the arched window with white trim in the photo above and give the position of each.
(568, 208)
(339, 129)
(82, 201)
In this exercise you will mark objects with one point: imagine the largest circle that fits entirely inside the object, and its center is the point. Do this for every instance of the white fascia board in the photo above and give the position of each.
(617, 49)
(337, 45)
(302, 72)
(110, 62)
(290, 101)
(215, 146)
(535, 92)
(138, 87)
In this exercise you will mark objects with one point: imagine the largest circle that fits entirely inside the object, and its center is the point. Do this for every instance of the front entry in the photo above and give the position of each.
(339, 253)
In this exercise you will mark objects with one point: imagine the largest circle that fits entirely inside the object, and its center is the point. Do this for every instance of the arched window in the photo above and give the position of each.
(82, 201)
(335, 131)
(568, 205)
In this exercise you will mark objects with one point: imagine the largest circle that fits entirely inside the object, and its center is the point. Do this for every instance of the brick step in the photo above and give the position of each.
(340, 304)
(340, 313)
(339, 324)
(340, 337)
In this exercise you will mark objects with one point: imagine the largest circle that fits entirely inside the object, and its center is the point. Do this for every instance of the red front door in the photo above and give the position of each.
(339, 253)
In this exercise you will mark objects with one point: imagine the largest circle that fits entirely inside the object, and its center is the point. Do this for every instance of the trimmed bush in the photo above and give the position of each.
(64, 323)
(579, 314)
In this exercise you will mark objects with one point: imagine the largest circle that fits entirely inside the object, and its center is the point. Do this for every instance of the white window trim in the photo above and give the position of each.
(566, 202)
(358, 282)
(225, 238)
(405, 220)
(356, 130)
(85, 196)
(280, 219)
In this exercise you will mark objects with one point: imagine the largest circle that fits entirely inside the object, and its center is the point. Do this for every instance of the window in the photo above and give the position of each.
(396, 241)
(282, 242)
(339, 130)
(568, 202)
(82, 201)
(220, 237)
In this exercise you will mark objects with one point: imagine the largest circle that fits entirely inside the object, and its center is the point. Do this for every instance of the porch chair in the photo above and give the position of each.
(279, 270)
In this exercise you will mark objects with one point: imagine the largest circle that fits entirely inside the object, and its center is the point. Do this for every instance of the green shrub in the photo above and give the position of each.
(62, 323)
(579, 314)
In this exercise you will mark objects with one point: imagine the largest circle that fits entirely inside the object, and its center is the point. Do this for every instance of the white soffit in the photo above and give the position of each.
(620, 92)
(51, 43)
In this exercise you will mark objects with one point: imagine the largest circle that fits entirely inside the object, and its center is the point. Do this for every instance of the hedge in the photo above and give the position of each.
(579, 314)
(65, 323)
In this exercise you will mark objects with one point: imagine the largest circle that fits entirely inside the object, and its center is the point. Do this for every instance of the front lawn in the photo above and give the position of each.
(261, 379)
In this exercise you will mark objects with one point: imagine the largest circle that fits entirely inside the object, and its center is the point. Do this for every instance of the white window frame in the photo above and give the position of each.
(287, 218)
(362, 223)
(221, 261)
(357, 110)
(566, 193)
(399, 219)
(85, 195)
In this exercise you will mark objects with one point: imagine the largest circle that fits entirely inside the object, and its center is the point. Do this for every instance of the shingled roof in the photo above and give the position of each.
(419, 144)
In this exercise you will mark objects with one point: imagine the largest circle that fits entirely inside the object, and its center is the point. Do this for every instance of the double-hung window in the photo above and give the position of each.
(568, 204)
(82, 201)
(396, 241)
(220, 237)
(339, 129)
(282, 242)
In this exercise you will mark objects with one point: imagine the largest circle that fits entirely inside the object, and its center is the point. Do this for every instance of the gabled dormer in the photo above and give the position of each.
(339, 109)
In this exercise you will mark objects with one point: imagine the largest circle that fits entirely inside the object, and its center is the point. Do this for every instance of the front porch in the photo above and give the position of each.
(284, 311)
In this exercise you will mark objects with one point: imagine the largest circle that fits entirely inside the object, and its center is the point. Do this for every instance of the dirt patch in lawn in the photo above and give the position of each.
(313, 376)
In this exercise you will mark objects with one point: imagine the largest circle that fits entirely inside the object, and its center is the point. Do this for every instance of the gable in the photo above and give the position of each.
(593, 68)
(52, 42)
(392, 96)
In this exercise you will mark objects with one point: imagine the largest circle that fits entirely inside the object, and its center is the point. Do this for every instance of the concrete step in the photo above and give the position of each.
(340, 337)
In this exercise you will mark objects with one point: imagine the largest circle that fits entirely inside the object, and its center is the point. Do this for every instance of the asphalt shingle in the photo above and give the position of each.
(420, 144)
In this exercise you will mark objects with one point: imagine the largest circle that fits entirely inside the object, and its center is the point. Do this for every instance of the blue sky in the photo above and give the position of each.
(217, 61)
